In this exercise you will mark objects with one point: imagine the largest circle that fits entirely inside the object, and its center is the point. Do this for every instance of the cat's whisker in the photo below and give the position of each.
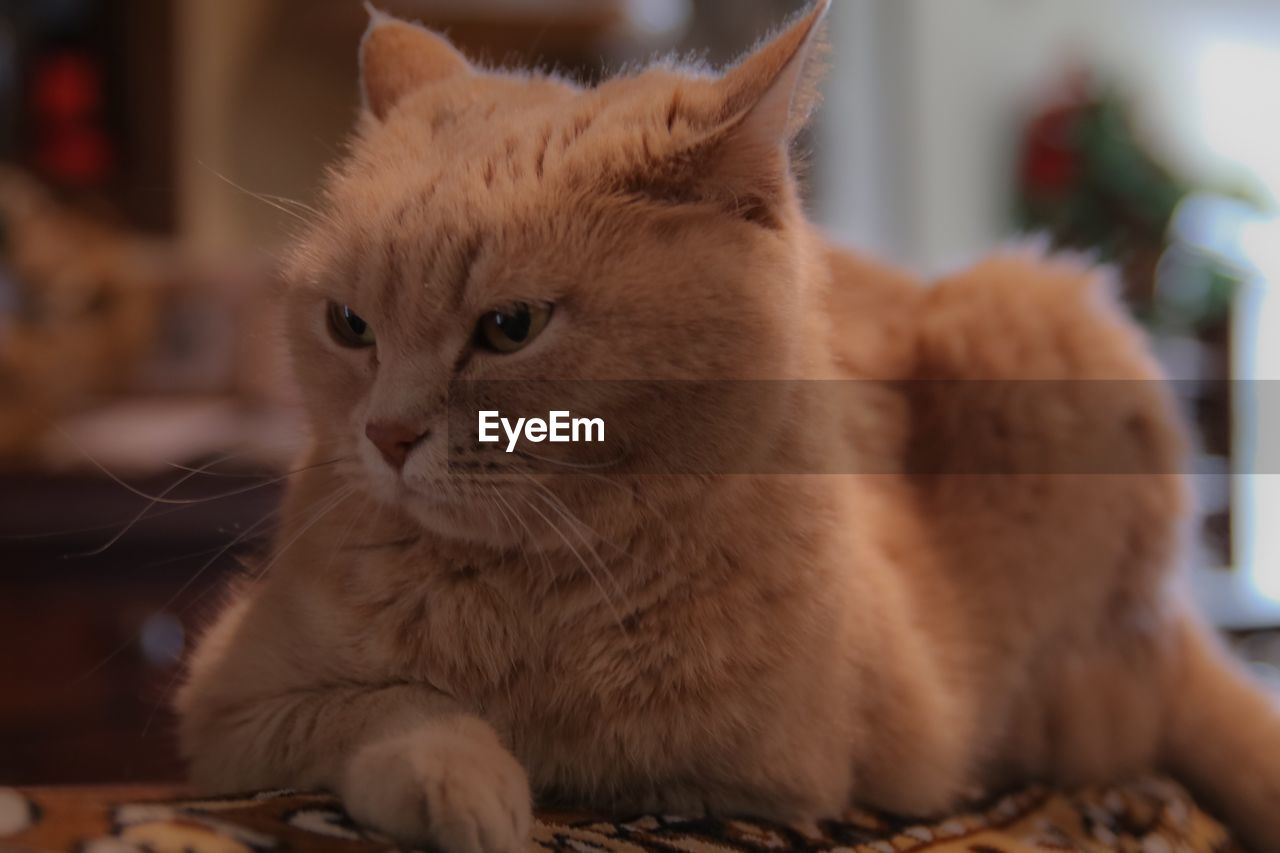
(562, 463)
(161, 513)
(561, 509)
(577, 526)
(161, 499)
(207, 468)
(379, 511)
(258, 574)
(73, 531)
(293, 202)
(630, 491)
(167, 693)
(175, 507)
(204, 471)
(142, 513)
(192, 555)
(492, 500)
(333, 502)
(351, 526)
(604, 593)
(274, 201)
(546, 562)
(403, 542)
(511, 707)
(173, 599)
(150, 506)
(655, 515)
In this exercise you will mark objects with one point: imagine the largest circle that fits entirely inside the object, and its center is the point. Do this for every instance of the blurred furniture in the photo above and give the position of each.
(86, 102)
(119, 358)
(79, 309)
(93, 640)
(1146, 815)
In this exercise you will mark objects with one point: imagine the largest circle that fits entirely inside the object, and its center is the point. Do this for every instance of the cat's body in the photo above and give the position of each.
(781, 645)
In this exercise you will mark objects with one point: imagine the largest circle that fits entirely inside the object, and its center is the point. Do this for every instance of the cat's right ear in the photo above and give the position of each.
(397, 58)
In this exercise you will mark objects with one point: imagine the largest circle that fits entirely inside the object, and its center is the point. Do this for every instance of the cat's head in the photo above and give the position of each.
(514, 226)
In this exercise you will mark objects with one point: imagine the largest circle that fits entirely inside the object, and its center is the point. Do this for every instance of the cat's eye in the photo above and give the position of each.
(514, 328)
(348, 327)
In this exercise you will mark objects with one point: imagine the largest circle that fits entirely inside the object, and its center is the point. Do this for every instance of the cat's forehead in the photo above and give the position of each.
(504, 128)
(478, 152)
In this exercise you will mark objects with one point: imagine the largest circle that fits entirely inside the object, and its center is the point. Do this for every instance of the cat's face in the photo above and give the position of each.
(497, 227)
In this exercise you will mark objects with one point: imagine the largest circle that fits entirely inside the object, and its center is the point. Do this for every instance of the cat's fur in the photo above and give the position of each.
(778, 646)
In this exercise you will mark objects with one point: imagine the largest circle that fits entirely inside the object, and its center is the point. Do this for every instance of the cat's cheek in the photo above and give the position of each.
(334, 383)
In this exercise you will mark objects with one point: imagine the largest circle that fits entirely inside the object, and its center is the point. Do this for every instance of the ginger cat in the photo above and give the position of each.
(441, 648)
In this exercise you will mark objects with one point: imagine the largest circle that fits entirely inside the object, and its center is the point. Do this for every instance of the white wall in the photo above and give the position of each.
(938, 90)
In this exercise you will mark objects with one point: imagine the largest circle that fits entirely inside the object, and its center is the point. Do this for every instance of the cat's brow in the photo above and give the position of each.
(447, 266)
(463, 254)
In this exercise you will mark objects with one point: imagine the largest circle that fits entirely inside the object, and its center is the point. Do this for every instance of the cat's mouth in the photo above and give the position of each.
(458, 489)
(509, 500)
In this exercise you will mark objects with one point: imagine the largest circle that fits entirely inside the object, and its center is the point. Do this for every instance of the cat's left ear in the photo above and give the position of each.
(733, 147)
(398, 58)
(768, 96)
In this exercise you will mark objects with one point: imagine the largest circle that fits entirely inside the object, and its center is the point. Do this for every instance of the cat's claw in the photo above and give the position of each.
(449, 784)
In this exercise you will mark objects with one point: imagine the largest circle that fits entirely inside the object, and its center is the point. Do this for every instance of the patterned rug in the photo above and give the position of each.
(1149, 816)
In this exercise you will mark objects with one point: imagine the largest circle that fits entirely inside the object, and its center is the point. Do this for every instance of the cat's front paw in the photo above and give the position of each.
(450, 784)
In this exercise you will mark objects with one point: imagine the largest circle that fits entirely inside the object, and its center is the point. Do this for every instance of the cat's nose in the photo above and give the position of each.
(394, 441)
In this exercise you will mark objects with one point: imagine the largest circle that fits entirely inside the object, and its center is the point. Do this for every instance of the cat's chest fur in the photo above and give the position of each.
(548, 644)
(675, 652)
(490, 632)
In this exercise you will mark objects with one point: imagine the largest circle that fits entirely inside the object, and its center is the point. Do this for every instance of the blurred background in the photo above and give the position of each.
(156, 154)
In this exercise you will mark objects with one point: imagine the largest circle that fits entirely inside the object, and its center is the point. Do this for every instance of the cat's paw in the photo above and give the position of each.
(450, 784)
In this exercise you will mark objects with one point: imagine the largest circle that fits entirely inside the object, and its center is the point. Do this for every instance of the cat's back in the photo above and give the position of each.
(873, 310)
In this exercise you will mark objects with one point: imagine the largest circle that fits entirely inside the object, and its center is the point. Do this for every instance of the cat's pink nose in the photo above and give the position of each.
(393, 440)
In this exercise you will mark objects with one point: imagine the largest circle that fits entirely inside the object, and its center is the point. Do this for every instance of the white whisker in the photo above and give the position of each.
(561, 463)
(274, 201)
(246, 533)
(604, 593)
(160, 499)
(546, 563)
(577, 525)
(333, 503)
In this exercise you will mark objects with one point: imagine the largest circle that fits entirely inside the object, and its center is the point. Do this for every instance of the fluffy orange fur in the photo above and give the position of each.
(442, 649)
